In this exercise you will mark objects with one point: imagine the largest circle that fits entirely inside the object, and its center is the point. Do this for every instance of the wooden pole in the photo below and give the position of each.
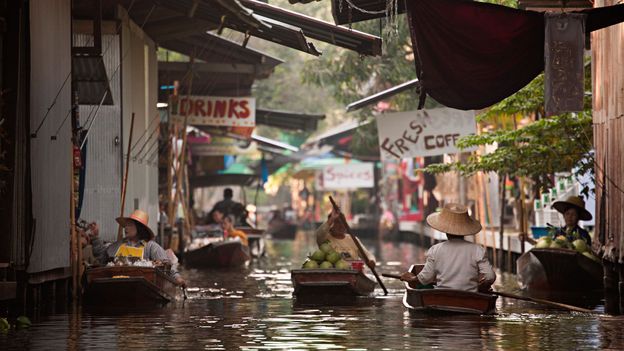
(490, 216)
(357, 243)
(124, 185)
(501, 232)
(524, 228)
(173, 134)
(72, 219)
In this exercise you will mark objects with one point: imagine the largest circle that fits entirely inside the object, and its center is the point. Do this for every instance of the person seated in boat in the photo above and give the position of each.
(226, 205)
(86, 231)
(229, 232)
(573, 210)
(455, 263)
(138, 243)
(335, 232)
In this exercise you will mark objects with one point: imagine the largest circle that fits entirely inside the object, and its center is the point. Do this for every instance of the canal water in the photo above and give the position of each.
(252, 308)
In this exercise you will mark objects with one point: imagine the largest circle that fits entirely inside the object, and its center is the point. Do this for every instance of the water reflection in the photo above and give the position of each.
(251, 308)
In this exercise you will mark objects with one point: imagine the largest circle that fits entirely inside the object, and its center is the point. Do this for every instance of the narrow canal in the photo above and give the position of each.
(252, 309)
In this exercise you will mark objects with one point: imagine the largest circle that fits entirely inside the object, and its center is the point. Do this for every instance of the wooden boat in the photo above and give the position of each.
(554, 269)
(324, 284)
(447, 300)
(282, 230)
(218, 254)
(129, 286)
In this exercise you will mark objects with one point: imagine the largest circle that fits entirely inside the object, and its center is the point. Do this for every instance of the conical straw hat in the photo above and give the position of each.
(454, 219)
(576, 202)
(137, 216)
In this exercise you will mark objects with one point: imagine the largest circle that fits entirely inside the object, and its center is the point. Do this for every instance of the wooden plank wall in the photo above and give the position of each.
(608, 100)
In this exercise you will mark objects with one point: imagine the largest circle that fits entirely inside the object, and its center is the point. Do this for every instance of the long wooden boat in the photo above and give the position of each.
(282, 230)
(219, 254)
(129, 286)
(554, 269)
(447, 300)
(321, 284)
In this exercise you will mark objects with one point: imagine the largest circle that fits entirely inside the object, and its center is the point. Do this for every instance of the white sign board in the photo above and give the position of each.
(423, 132)
(348, 176)
(217, 111)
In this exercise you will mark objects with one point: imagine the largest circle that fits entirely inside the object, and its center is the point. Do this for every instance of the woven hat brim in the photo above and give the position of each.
(124, 220)
(467, 227)
(562, 206)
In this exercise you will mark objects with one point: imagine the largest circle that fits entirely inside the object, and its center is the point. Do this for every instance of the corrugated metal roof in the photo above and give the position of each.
(222, 179)
(360, 42)
(287, 119)
(89, 76)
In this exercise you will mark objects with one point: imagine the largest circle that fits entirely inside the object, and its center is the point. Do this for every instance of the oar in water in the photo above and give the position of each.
(543, 302)
(357, 243)
(519, 297)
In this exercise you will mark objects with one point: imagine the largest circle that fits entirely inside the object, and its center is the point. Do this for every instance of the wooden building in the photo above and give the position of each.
(608, 99)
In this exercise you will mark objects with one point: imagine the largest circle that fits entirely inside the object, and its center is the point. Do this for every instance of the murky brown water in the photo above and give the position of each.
(252, 309)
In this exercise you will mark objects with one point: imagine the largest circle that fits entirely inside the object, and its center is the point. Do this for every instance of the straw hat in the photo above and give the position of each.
(454, 219)
(137, 216)
(573, 202)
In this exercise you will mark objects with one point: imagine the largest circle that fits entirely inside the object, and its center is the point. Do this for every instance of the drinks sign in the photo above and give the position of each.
(423, 132)
(217, 111)
(348, 176)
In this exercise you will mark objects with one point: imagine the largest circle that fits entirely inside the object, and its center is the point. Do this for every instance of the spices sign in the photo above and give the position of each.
(423, 132)
(348, 176)
(217, 111)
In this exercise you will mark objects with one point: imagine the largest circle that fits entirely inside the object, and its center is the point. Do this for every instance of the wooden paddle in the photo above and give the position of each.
(519, 297)
(543, 302)
(357, 243)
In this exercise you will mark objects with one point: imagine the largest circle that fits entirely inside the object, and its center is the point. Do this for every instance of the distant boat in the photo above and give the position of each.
(330, 285)
(256, 240)
(129, 286)
(558, 270)
(447, 300)
(282, 230)
(218, 254)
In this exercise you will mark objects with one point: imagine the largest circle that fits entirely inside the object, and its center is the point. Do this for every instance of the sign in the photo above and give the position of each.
(423, 132)
(217, 111)
(220, 146)
(564, 47)
(348, 176)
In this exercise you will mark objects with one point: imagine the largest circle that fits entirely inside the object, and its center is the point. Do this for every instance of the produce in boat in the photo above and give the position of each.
(333, 257)
(543, 242)
(326, 264)
(318, 256)
(342, 264)
(580, 245)
(326, 247)
(310, 264)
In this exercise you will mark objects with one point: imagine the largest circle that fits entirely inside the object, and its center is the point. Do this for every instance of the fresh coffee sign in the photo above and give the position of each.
(423, 132)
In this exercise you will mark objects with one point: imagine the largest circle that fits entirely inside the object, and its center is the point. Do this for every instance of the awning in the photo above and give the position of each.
(89, 76)
(176, 19)
(335, 133)
(287, 119)
(222, 179)
(382, 95)
(360, 42)
(273, 144)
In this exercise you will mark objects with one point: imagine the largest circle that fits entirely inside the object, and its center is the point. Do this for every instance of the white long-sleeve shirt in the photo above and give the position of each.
(456, 264)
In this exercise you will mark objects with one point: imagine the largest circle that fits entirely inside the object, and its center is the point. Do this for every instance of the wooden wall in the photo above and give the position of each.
(608, 100)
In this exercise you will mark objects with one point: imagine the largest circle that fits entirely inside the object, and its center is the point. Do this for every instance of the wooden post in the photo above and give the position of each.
(502, 218)
(124, 185)
(524, 228)
(490, 216)
(72, 221)
(173, 134)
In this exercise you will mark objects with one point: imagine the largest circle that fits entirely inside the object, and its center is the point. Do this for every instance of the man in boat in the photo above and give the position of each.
(138, 243)
(227, 204)
(455, 263)
(334, 231)
(229, 232)
(573, 210)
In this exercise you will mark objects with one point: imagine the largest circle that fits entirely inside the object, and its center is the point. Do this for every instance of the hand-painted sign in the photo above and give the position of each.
(423, 132)
(215, 110)
(220, 146)
(348, 176)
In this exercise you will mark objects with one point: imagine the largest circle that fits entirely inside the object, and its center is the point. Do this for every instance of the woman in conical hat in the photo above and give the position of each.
(573, 210)
(138, 242)
(456, 263)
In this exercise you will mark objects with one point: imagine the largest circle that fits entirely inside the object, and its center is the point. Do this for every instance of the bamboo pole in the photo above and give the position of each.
(124, 185)
(72, 219)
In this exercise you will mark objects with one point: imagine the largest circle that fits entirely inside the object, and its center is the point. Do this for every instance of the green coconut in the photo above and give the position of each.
(310, 264)
(326, 247)
(333, 257)
(591, 256)
(4, 324)
(543, 243)
(580, 245)
(23, 322)
(342, 264)
(318, 256)
(326, 264)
